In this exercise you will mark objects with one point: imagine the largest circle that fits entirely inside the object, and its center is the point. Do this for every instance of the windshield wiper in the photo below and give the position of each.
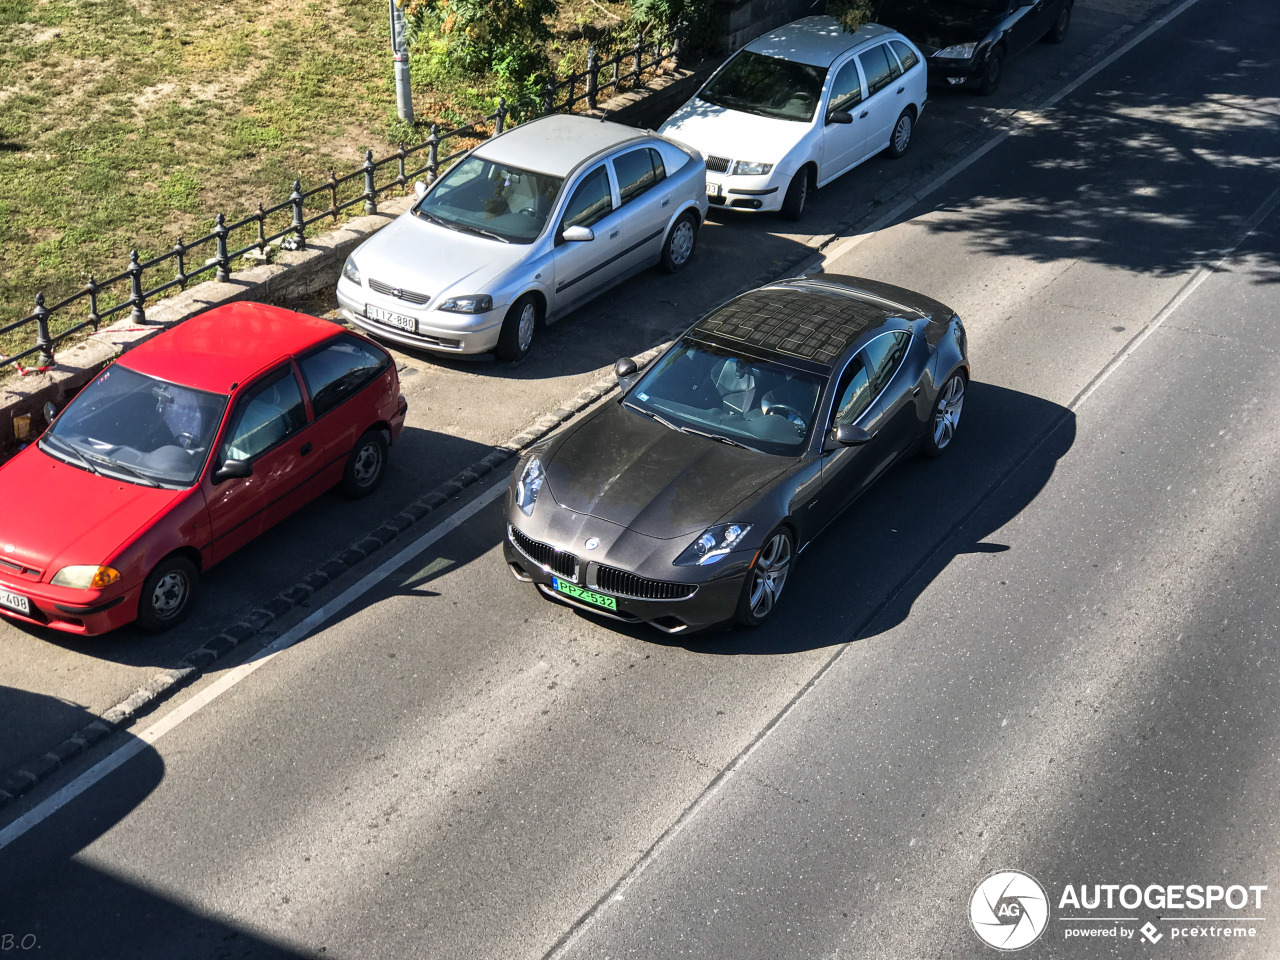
(67, 447)
(481, 231)
(718, 438)
(124, 468)
(653, 416)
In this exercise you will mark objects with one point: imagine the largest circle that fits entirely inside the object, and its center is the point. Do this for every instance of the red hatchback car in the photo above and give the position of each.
(183, 450)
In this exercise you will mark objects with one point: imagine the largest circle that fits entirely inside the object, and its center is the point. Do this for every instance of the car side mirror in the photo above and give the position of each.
(49, 411)
(850, 435)
(577, 234)
(625, 370)
(233, 470)
(419, 189)
(839, 116)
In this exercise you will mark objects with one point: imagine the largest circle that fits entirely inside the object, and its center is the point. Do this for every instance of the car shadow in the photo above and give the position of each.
(54, 902)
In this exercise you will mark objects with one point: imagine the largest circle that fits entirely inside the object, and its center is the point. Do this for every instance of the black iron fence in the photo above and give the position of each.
(288, 222)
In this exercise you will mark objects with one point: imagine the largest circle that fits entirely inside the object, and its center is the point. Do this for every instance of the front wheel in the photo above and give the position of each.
(797, 193)
(366, 466)
(946, 416)
(680, 242)
(766, 578)
(992, 73)
(168, 594)
(517, 329)
(900, 139)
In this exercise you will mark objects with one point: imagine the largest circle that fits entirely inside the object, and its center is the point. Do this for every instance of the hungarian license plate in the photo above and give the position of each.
(586, 596)
(15, 601)
(398, 320)
(713, 189)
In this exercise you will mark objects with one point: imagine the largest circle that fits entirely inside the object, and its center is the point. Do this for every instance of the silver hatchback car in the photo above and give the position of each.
(524, 228)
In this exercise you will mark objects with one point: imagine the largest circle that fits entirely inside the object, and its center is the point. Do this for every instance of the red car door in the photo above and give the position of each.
(268, 430)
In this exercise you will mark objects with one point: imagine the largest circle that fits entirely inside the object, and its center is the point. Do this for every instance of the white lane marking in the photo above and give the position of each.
(169, 721)
(1202, 273)
(1021, 118)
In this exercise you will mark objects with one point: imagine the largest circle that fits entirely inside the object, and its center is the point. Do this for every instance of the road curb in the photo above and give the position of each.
(168, 682)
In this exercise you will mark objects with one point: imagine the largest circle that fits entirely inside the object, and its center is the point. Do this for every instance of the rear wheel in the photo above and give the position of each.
(900, 139)
(1061, 25)
(797, 194)
(518, 327)
(946, 416)
(992, 72)
(168, 594)
(366, 466)
(680, 242)
(766, 578)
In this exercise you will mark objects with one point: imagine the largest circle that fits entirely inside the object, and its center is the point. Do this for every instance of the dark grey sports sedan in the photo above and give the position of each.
(685, 503)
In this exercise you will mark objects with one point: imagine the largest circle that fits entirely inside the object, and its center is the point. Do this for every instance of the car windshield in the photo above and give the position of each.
(697, 388)
(767, 86)
(137, 428)
(492, 200)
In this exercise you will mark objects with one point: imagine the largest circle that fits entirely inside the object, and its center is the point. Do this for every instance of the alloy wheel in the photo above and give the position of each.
(769, 575)
(947, 416)
(528, 319)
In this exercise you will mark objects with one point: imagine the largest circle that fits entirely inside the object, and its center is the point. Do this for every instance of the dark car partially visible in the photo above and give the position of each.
(966, 42)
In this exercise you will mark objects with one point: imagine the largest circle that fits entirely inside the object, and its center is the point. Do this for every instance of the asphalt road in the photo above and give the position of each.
(1053, 650)
(49, 683)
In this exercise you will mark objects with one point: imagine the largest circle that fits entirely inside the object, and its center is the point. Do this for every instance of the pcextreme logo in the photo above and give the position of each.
(1009, 910)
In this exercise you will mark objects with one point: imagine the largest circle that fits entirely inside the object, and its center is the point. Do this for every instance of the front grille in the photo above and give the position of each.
(717, 164)
(545, 555)
(623, 584)
(31, 573)
(407, 295)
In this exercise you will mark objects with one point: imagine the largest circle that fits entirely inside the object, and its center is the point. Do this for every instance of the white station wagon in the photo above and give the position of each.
(796, 108)
(524, 228)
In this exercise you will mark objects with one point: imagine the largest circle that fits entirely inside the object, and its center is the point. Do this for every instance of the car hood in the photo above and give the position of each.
(933, 25)
(58, 514)
(623, 467)
(417, 255)
(733, 134)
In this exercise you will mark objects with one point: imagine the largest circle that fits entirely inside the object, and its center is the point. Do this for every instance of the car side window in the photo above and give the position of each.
(846, 89)
(875, 64)
(854, 396)
(338, 369)
(637, 171)
(883, 356)
(267, 414)
(905, 54)
(591, 201)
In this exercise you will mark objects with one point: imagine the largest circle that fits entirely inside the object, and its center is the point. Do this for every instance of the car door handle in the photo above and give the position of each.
(613, 235)
(900, 89)
(306, 448)
(863, 114)
(665, 201)
(915, 392)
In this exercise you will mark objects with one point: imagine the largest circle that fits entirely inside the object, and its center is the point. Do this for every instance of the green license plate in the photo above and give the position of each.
(586, 596)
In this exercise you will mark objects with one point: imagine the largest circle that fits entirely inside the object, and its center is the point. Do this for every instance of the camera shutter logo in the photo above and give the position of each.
(1009, 910)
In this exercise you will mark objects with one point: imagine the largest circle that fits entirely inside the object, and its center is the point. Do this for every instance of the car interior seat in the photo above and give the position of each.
(736, 383)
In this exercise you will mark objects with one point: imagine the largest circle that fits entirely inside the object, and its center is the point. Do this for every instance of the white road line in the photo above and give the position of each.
(189, 708)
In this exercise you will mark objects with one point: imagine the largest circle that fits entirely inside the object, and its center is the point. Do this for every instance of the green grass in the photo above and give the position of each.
(127, 124)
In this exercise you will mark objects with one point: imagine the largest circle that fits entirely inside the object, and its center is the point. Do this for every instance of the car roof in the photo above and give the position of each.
(818, 40)
(810, 320)
(227, 345)
(556, 144)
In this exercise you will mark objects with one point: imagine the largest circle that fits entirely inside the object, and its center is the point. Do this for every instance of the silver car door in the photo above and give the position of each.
(583, 266)
(646, 205)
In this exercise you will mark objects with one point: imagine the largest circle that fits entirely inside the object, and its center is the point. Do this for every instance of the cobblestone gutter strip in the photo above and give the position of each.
(164, 684)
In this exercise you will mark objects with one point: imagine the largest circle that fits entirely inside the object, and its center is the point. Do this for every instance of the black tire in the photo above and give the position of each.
(797, 193)
(518, 328)
(762, 589)
(992, 72)
(366, 466)
(946, 416)
(168, 594)
(681, 240)
(900, 135)
(1058, 33)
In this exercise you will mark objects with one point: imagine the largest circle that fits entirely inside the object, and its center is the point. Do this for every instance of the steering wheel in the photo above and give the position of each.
(528, 212)
(187, 440)
(782, 410)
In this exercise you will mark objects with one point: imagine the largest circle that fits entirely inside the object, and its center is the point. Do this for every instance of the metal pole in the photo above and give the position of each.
(400, 47)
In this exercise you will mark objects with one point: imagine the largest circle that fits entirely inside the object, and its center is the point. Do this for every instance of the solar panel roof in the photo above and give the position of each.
(810, 324)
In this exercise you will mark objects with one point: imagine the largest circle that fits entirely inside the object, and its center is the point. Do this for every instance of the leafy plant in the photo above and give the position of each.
(851, 13)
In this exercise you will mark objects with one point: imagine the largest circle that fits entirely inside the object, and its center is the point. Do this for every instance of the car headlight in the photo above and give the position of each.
(961, 51)
(351, 271)
(86, 577)
(528, 485)
(743, 169)
(475, 304)
(714, 543)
